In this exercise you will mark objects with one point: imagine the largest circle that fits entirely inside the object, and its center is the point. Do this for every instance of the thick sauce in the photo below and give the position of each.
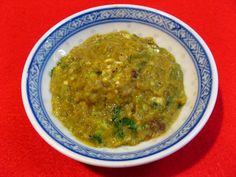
(117, 89)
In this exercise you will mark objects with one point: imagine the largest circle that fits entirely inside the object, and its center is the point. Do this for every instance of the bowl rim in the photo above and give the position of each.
(124, 163)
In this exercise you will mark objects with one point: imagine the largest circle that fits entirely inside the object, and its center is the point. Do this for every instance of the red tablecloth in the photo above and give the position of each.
(24, 154)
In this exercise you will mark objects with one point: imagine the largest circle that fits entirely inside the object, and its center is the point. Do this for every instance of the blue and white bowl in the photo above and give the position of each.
(190, 51)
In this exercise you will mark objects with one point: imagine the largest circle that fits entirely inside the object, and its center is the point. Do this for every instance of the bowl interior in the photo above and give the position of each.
(162, 38)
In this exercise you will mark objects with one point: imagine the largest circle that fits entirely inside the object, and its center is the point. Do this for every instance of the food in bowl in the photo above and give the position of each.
(117, 89)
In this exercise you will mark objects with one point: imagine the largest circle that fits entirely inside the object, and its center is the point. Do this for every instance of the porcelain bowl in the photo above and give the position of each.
(189, 49)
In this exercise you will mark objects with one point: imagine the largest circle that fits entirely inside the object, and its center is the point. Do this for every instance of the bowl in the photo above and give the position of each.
(189, 49)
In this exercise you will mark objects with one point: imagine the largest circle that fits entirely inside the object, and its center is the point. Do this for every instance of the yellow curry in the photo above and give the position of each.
(117, 89)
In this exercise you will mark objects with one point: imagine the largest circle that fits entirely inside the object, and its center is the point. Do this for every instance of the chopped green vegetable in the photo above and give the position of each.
(63, 65)
(155, 105)
(125, 122)
(97, 138)
(169, 100)
(51, 72)
(138, 99)
(130, 123)
(120, 133)
(141, 65)
(116, 110)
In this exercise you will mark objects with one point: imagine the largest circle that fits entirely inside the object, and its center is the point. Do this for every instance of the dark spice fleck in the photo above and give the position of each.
(98, 72)
(134, 74)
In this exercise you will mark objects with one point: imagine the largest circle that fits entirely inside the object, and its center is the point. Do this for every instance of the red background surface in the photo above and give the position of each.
(24, 154)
